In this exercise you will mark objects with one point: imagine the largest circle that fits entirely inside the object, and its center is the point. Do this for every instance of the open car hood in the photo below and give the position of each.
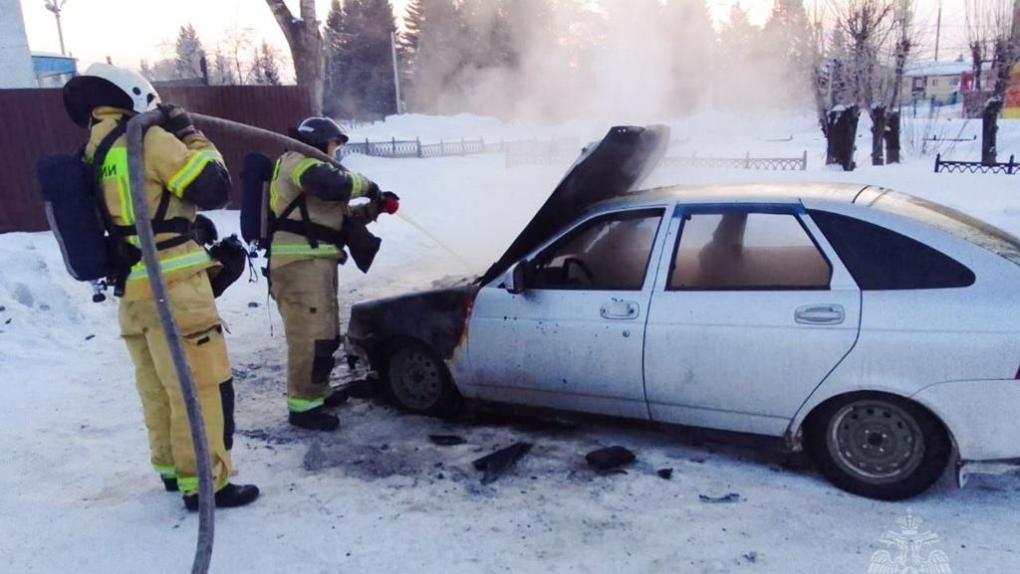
(606, 169)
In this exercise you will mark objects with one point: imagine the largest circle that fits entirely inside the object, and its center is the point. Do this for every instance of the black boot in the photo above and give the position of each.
(170, 484)
(336, 398)
(315, 419)
(230, 496)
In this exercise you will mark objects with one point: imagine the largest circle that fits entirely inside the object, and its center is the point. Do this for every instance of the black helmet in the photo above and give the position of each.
(319, 131)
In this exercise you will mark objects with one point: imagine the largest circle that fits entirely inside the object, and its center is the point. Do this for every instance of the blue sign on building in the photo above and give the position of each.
(53, 70)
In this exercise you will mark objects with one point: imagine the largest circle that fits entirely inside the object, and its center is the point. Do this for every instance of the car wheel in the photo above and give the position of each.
(878, 446)
(418, 381)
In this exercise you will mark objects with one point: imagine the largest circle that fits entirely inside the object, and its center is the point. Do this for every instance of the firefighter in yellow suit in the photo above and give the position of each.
(309, 200)
(183, 172)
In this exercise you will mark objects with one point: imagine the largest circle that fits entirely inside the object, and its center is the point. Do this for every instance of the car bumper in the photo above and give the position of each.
(984, 420)
(967, 469)
(356, 350)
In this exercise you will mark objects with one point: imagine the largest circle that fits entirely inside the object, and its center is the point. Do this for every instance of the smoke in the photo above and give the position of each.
(618, 60)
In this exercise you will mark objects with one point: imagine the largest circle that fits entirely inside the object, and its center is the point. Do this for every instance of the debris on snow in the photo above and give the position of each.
(731, 497)
(253, 305)
(497, 464)
(665, 473)
(446, 439)
(609, 458)
(364, 389)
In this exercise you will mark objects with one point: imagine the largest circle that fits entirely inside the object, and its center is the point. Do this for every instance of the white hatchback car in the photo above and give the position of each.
(878, 331)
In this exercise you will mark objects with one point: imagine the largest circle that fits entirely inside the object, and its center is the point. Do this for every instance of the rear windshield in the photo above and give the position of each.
(963, 226)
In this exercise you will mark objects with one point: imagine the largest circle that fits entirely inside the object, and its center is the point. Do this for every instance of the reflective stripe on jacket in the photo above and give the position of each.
(284, 188)
(171, 168)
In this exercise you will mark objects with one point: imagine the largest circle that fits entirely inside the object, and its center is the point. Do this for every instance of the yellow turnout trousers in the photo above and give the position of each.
(306, 294)
(166, 418)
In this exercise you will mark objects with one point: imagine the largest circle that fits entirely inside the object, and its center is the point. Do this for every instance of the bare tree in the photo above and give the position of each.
(868, 25)
(233, 61)
(306, 47)
(990, 33)
(903, 43)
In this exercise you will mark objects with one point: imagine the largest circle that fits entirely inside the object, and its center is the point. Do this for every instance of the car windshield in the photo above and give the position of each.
(961, 225)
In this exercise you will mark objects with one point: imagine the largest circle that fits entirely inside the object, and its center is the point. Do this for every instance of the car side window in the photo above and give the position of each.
(608, 253)
(747, 251)
(882, 259)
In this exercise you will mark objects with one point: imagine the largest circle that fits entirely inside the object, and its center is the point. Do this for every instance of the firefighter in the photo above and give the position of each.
(309, 199)
(183, 172)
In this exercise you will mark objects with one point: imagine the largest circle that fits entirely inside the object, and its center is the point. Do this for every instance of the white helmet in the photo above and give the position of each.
(107, 85)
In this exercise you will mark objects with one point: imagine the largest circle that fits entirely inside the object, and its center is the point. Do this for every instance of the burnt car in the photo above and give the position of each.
(876, 330)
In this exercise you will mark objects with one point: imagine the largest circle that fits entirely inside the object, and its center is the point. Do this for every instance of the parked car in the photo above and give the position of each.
(876, 330)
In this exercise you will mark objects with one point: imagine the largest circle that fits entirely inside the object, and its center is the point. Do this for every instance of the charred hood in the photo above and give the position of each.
(606, 169)
(437, 317)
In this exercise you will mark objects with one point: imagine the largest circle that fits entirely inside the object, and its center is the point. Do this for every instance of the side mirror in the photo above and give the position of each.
(518, 278)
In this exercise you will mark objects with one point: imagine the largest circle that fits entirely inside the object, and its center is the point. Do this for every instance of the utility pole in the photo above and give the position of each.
(938, 31)
(56, 6)
(396, 70)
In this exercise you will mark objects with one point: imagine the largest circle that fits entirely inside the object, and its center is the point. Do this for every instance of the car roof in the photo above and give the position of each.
(738, 193)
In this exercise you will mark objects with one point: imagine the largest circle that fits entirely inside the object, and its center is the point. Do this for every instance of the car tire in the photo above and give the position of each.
(877, 445)
(417, 381)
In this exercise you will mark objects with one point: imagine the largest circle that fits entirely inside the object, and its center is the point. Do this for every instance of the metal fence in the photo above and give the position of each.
(35, 124)
(950, 166)
(539, 152)
(536, 150)
(746, 162)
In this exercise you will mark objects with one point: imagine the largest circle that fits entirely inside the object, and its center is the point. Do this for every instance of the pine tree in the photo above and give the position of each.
(363, 58)
(222, 72)
(787, 43)
(414, 19)
(189, 54)
(438, 58)
(267, 70)
(739, 57)
(688, 25)
(334, 61)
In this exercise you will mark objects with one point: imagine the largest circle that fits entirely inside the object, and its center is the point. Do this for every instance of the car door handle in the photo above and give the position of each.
(620, 310)
(820, 315)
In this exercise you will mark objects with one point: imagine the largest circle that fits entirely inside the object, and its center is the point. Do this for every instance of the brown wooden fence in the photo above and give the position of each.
(33, 123)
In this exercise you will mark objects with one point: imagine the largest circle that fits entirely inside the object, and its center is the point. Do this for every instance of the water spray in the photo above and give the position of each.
(245, 131)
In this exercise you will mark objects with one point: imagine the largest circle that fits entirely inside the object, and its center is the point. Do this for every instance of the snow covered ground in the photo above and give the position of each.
(77, 494)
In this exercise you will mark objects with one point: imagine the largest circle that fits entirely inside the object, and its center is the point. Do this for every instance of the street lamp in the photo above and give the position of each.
(56, 6)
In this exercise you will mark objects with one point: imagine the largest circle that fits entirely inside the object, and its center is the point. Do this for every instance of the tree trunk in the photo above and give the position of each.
(892, 138)
(877, 133)
(307, 48)
(841, 136)
(989, 130)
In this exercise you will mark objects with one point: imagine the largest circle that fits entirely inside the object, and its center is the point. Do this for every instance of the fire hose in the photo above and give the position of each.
(206, 503)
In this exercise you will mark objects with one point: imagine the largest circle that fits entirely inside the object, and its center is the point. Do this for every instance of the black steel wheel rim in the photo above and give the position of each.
(417, 379)
(875, 441)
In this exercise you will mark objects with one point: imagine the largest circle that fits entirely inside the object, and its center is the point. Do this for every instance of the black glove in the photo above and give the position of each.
(177, 121)
(373, 191)
(234, 257)
(203, 230)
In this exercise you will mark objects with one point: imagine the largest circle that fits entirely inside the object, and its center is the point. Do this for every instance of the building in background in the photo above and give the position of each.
(53, 70)
(936, 82)
(15, 58)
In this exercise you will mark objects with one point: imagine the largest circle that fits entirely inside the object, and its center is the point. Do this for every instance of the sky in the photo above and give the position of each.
(145, 29)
